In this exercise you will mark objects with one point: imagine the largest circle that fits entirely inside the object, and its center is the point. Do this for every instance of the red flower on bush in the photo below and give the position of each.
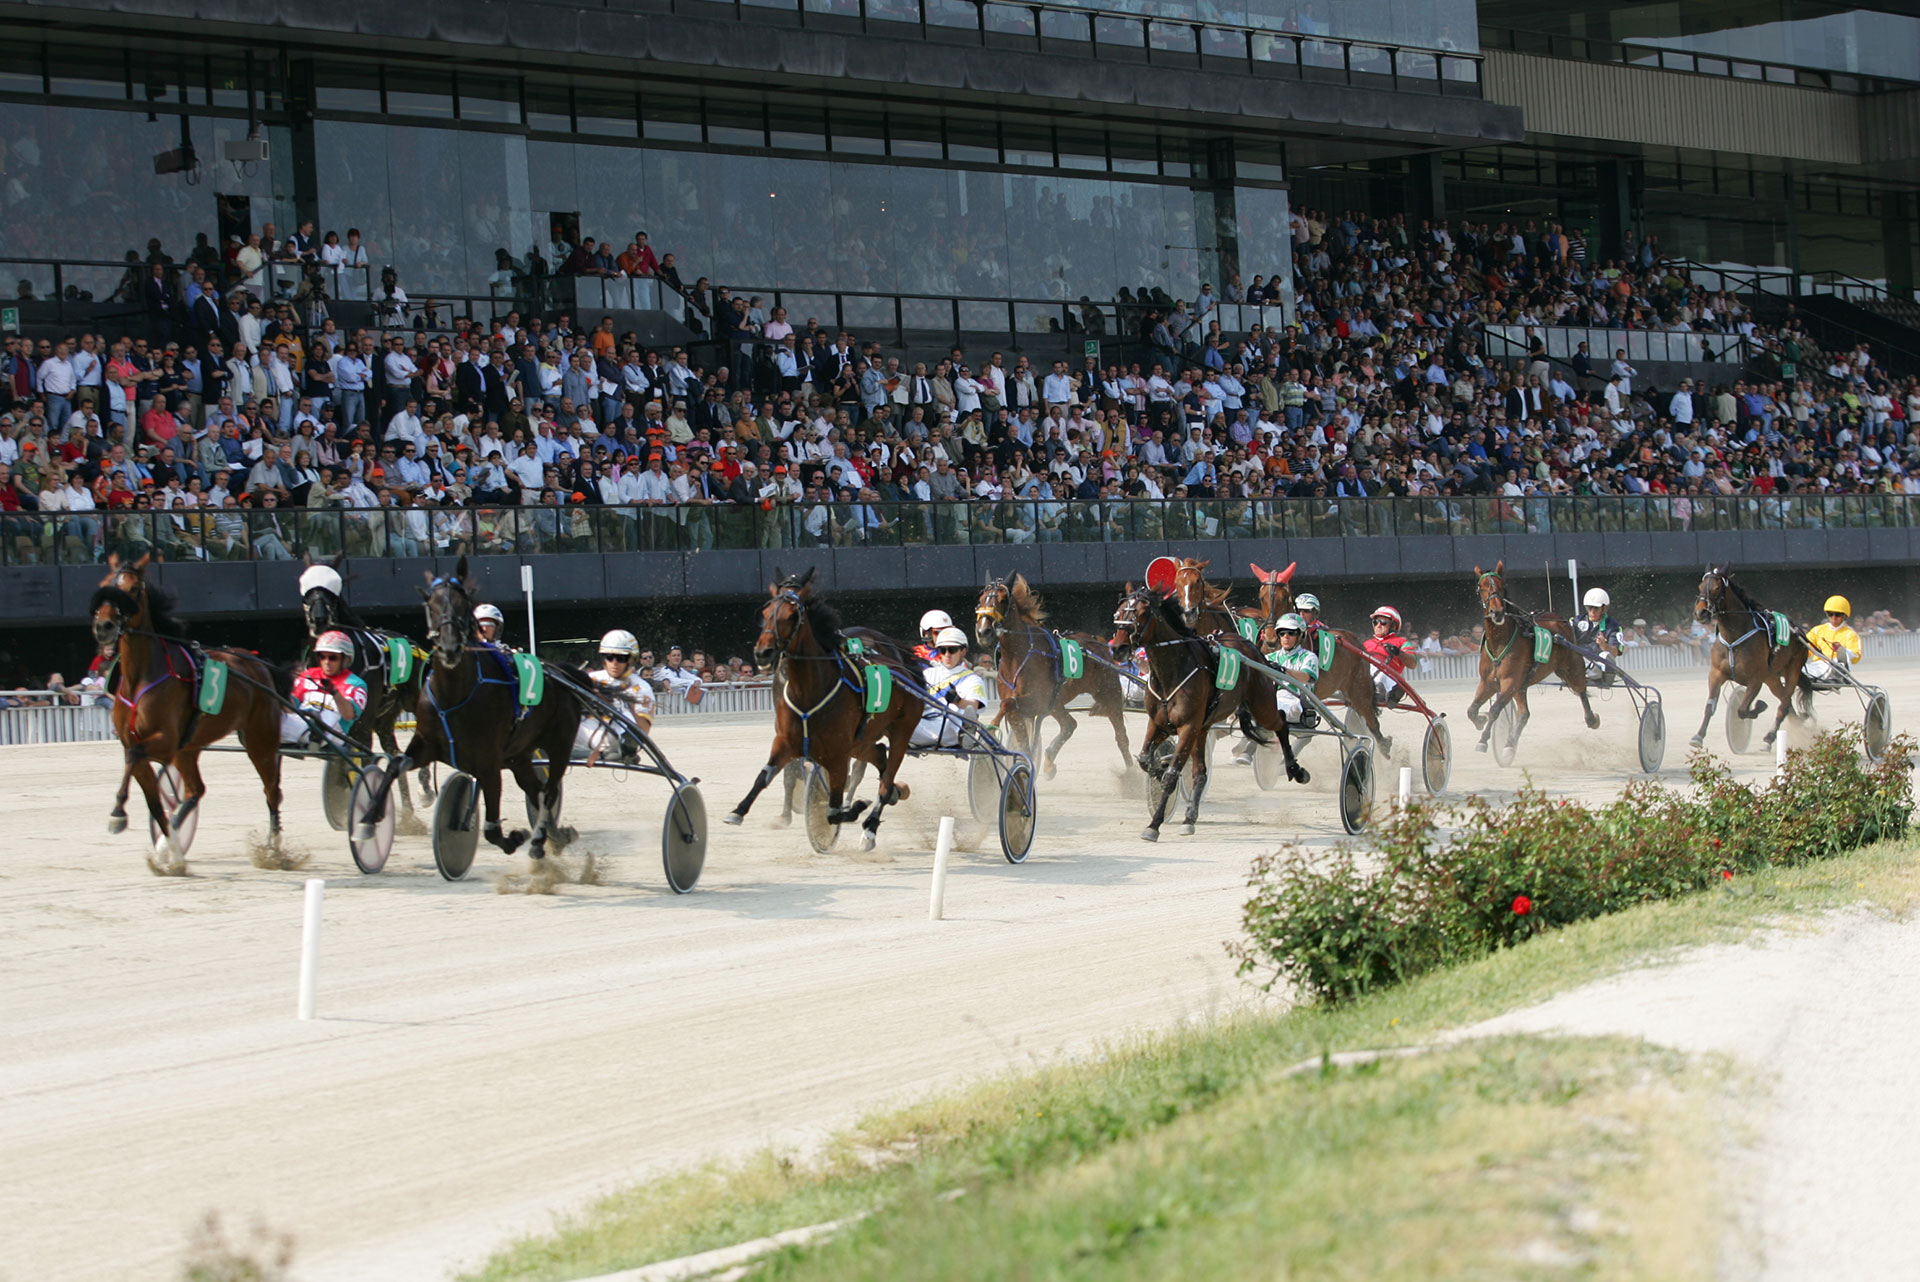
(1726, 874)
(1716, 843)
(1522, 905)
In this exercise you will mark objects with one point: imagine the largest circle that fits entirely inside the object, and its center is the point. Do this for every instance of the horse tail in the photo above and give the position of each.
(1247, 726)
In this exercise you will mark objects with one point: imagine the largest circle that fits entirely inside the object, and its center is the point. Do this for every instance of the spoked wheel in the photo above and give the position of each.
(683, 838)
(456, 825)
(370, 835)
(172, 793)
(1739, 729)
(1653, 737)
(983, 786)
(1356, 787)
(1877, 726)
(820, 834)
(1436, 756)
(336, 787)
(1503, 744)
(1269, 766)
(1019, 807)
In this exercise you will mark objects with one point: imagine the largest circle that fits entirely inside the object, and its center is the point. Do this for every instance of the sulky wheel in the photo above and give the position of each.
(683, 838)
(1436, 756)
(172, 793)
(456, 825)
(1503, 744)
(983, 785)
(1739, 729)
(1877, 726)
(1269, 766)
(336, 787)
(1653, 737)
(820, 834)
(1356, 787)
(1018, 811)
(370, 835)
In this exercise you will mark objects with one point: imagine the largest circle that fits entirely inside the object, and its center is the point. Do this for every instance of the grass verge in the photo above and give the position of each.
(1191, 1153)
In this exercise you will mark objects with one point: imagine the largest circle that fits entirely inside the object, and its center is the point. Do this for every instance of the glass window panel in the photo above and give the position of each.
(1083, 149)
(952, 13)
(973, 140)
(20, 70)
(922, 258)
(736, 124)
(346, 87)
(351, 166)
(801, 126)
(857, 131)
(1027, 144)
(549, 107)
(496, 202)
(800, 196)
(428, 248)
(494, 99)
(605, 113)
(914, 135)
(95, 73)
(414, 92)
(682, 206)
(978, 244)
(227, 80)
(1009, 19)
(862, 235)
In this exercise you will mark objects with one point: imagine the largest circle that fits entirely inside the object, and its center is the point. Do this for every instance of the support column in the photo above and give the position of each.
(1896, 233)
(1216, 224)
(1615, 194)
(305, 168)
(1428, 176)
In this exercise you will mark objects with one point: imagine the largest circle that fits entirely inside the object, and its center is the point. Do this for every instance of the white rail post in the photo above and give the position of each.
(526, 589)
(310, 947)
(1780, 753)
(937, 904)
(1406, 786)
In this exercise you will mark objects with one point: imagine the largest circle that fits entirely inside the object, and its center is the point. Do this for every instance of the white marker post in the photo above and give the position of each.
(1406, 786)
(937, 904)
(310, 947)
(526, 590)
(1573, 572)
(1780, 754)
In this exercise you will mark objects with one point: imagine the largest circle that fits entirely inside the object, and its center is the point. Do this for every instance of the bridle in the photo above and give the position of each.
(1707, 607)
(449, 620)
(319, 607)
(990, 618)
(784, 642)
(1493, 603)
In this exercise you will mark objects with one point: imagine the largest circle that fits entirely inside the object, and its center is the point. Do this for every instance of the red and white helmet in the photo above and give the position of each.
(333, 643)
(1386, 612)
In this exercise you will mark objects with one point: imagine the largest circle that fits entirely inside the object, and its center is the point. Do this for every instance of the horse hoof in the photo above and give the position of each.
(868, 840)
(117, 825)
(1300, 775)
(1698, 741)
(1186, 830)
(1480, 747)
(1150, 834)
(1049, 770)
(513, 840)
(784, 821)
(735, 817)
(1593, 723)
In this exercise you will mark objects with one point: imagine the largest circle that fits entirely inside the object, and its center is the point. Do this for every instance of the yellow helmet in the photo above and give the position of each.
(1838, 605)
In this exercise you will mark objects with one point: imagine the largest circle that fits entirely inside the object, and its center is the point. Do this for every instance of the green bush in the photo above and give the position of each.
(1446, 883)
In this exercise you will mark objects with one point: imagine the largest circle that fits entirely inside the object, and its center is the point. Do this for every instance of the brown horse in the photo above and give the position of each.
(156, 713)
(1348, 678)
(1506, 658)
(1742, 651)
(821, 716)
(1182, 698)
(1033, 684)
(1203, 607)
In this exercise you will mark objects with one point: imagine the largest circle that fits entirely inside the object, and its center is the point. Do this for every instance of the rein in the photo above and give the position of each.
(840, 680)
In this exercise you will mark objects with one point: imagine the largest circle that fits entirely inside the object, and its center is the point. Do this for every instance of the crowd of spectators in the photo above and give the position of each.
(231, 422)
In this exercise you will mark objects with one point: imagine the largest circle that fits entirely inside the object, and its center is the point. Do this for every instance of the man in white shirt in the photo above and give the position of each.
(1625, 372)
(1680, 408)
(1058, 389)
(55, 380)
(406, 425)
(400, 371)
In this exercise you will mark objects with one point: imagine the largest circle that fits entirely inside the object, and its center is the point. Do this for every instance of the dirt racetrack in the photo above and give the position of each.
(483, 1060)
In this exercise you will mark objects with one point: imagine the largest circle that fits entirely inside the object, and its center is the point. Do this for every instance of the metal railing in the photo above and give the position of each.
(78, 287)
(286, 534)
(45, 716)
(1563, 342)
(1168, 39)
(1642, 54)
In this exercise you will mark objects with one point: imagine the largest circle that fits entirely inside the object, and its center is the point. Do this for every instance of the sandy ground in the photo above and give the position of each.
(485, 1060)
(1828, 1181)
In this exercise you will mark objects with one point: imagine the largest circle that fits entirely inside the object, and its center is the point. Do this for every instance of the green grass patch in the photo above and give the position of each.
(1193, 1153)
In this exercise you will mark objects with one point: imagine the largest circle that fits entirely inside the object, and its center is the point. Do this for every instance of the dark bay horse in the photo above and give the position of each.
(469, 716)
(156, 713)
(1742, 651)
(821, 716)
(326, 610)
(1349, 677)
(1182, 698)
(1033, 684)
(1506, 658)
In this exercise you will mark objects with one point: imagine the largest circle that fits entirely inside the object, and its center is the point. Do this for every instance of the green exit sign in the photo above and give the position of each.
(10, 319)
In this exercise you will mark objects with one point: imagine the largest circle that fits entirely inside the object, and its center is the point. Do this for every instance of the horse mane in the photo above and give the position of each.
(1741, 595)
(347, 615)
(162, 616)
(1170, 611)
(822, 619)
(1026, 601)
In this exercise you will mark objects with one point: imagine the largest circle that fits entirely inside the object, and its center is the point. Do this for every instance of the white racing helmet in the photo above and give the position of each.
(1596, 597)
(489, 614)
(333, 643)
(620, 642)
(321, 576)
(1386, 612)
(935, 619)
(1290, 623)
(1307, 601)
(949, 636)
